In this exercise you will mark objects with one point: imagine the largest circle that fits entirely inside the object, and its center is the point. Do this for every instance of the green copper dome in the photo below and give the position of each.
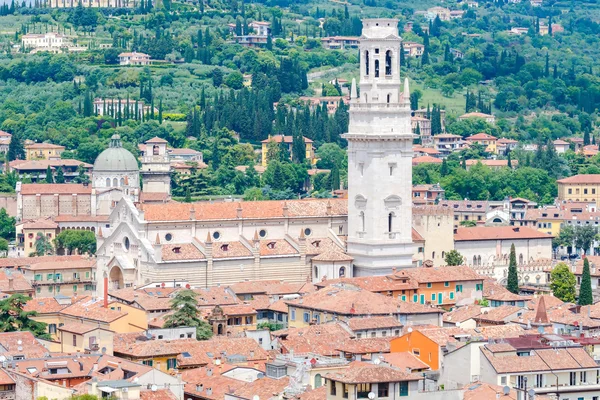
(115, 158)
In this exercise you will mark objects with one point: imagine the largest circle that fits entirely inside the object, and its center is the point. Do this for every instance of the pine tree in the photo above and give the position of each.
(298, 148)
(547, 67)
(49, 178)
(512, 283)
(585, 289)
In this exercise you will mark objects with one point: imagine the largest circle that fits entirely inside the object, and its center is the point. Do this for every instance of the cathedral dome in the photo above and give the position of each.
(115, 158)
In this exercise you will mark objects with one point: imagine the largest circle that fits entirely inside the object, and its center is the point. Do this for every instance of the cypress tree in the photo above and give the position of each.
(444, 171)
(585, 289)
(15, 148)
(49, 178)
(60, 176)
(334, 178)
(512, 283)
(547, 67)
(160, 112)
(509, 161)
(586, 138)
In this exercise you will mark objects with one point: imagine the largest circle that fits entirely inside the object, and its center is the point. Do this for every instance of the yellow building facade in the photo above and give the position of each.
(584, 188)
(288, 141)
(43, 151)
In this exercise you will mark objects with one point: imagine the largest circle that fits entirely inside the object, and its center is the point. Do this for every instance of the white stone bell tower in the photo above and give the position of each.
(380, 142)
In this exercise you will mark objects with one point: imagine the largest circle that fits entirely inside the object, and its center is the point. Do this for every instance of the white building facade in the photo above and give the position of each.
(380, 156)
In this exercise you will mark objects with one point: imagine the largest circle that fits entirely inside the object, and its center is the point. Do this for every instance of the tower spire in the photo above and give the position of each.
(353, 91)
(406, 92)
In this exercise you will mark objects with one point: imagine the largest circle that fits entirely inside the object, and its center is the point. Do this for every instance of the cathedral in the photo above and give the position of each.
(205, 244)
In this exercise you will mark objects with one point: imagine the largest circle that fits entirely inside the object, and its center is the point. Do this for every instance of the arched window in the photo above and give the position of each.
(318, 381)
(432, 254)
(389, 98)
(107, 182)
(474, 260)
(342, 272)
(155, 150)
(362, 221)
(316, 272)
(122, 182)
(115, 182)
(388, 62)
(521, 258)
(390, 222)
(376, 68)
(479, 260)
(367, 62)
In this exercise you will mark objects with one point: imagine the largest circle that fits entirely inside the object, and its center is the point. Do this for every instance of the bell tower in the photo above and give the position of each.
(380, 153)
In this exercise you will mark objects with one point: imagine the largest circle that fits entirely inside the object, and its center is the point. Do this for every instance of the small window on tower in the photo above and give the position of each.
(376, 51)
(361, 167)
(376, 68)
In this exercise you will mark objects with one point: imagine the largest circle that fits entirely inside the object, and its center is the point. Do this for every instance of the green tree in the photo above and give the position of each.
(468, 223)
(16, 151)
(186, 313)
(453, 257)
(7, 225)
(81, 176)
(217, 77)
(235, 80)
(60, 176)
(584, 236)
(49, 178)
(84, 242)
(14, 319)
(562, 283)
(42, 245)
(512, 283)
(3, 247)
(585, 289)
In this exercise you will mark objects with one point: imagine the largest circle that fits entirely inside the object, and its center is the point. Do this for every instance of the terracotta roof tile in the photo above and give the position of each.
(13, 281)
(160, 394)
(230, 249)
(5, 378)
(332, 255)
(264, 388)
(498, 233)
(28, 347)
(322, 339)
(90, 309)
(55, 188)
(271, 287)
(481, 136)
(350, 300)
(41, 223)
(357, 324)
(376, 284)
(581, 179)
(360, 372)
(499, 314)
(180, 252)
(199, 380)
(249, 209)
(462, 314)
(276, 247)
(403, 360)
(441, 274)
(426, 160)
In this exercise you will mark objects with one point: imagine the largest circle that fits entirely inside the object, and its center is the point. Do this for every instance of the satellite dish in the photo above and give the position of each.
(154, 388)
(506, 390)
(19, 342)
(377, 361)
(371, 395)
(217, 362)
(188, 286)
(531, 393)
(103, 350)
(136, 379)
(255, 397)
(457, 324)
(409, 329)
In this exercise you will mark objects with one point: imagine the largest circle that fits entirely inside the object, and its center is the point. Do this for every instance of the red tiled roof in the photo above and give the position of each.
(249, 209)
(581, 179)
(498, 233)
(426, 160)
(481, 136)
(55, 188)
(360, 372)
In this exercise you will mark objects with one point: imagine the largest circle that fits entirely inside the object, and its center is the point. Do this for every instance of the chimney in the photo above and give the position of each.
(239, 210)
(95, 366)
(105, 290)
(11, 283)
(192, 213)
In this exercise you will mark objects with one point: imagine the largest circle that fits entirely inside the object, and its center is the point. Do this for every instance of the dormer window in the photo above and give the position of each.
(271, 245)
(316, 243)
(225, 247)
(177, 250)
